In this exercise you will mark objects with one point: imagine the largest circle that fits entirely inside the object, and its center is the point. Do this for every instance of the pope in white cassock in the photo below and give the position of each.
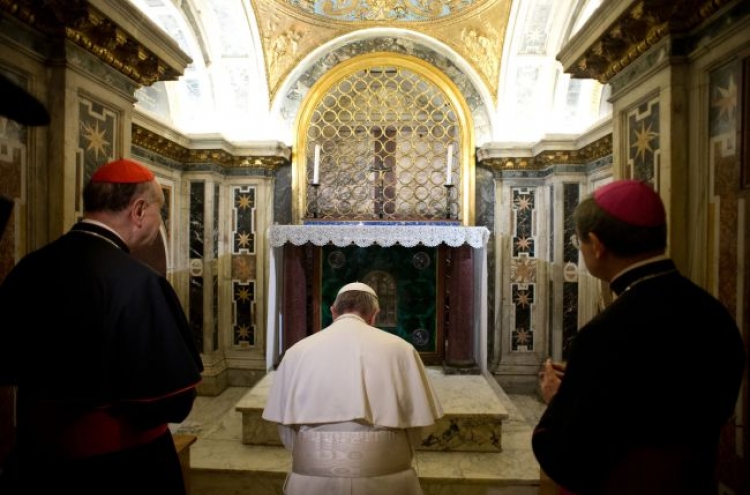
(350, 402)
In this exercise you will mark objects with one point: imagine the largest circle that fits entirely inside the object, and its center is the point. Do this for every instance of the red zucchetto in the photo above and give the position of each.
(633, 202)
(122, 171)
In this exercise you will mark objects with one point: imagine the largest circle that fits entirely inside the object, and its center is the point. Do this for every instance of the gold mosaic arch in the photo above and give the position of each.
(288, 34)
(386, 124)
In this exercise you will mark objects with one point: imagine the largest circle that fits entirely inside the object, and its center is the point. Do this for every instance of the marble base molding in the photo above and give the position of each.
(473, 420)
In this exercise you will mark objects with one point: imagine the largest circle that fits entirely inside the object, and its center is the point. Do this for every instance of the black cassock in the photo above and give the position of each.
(649, 383)
(103, 358)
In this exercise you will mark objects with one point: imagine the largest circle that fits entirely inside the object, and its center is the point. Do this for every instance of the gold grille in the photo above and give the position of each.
(384, 135)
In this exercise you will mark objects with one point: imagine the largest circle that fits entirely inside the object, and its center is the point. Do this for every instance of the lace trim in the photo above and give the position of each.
(386, 235)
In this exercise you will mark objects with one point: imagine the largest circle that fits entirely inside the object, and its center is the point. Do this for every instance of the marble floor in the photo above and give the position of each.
(222, 464)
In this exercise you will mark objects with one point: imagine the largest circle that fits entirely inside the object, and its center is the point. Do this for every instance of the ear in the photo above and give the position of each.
(334, 313)
(139, 209)
(597, 246)
(371, 320)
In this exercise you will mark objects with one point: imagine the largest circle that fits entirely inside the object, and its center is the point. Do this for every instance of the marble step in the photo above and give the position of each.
(222, 464)
(473, 420)
(236, 468)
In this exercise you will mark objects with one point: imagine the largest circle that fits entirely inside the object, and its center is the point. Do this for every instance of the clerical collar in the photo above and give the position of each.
(102, 225)
(100, 230)
(640, 272)
(641, 263)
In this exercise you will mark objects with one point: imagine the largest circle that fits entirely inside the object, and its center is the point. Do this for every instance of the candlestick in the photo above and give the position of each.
(316, 165)
(449, 166)
(314, 202)
(448, 199)
(380, 189)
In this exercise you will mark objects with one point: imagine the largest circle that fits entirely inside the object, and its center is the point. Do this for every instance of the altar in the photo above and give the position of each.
(431, 278)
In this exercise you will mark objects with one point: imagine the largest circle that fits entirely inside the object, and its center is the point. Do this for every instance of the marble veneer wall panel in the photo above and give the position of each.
(14, 153)
(484, 195)
(571, 198)
(729, 192)
(196, 246)
(726, 174)
(215, 272)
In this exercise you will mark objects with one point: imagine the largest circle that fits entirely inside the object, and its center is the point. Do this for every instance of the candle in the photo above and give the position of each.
(316, 165)
(449, 166)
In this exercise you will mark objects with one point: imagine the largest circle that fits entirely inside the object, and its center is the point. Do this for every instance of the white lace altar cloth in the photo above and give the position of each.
(384, 234)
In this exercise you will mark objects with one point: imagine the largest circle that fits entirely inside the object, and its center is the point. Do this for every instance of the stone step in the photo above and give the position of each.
(261, 470)
(222, 464)
(473, 419)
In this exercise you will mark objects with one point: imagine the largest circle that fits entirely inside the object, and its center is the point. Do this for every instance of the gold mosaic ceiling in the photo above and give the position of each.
(291, 29)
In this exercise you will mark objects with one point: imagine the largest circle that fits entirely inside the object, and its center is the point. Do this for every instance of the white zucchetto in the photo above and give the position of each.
(357, 286)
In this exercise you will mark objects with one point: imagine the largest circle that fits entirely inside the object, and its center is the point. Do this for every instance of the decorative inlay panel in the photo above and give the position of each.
(523, 267)
(644, 147)
(97, 139)
(243, 265)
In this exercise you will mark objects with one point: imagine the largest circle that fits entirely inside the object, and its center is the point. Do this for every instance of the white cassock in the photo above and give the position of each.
(350, 401)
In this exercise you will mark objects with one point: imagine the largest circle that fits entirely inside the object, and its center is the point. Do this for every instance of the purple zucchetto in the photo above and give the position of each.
(632, 201)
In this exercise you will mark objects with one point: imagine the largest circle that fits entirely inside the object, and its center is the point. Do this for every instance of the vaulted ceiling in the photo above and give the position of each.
(253, 60)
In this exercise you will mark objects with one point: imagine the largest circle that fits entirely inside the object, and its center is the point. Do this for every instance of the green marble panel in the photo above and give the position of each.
(405, 279)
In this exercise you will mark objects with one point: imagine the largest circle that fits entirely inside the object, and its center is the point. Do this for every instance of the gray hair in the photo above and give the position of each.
(356, 301)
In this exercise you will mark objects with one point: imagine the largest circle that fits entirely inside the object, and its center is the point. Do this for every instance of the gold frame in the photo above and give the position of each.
(466, 155)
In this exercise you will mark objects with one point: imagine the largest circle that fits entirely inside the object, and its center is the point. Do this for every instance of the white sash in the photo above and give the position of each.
(351, 454)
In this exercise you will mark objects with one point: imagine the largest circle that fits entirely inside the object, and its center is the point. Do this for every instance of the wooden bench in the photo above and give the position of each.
(182, 443)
